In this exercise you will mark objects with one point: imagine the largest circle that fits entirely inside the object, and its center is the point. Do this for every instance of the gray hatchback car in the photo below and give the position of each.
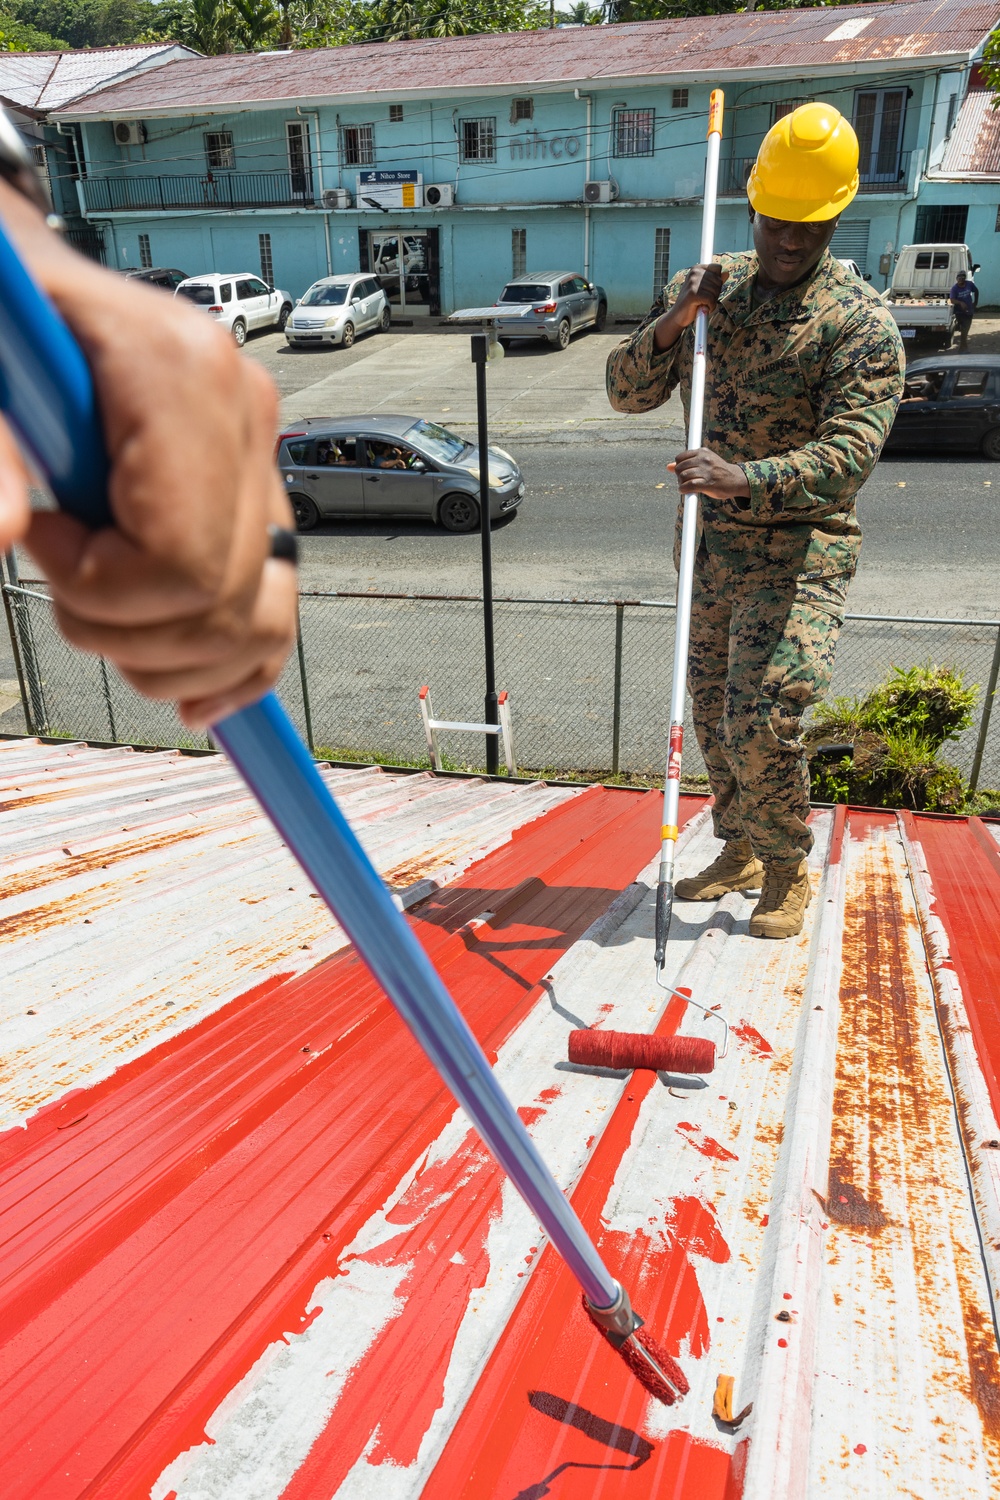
(391, 466)
(552, 305)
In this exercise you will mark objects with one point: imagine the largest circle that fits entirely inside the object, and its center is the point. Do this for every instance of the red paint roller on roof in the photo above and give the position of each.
(625, 1049)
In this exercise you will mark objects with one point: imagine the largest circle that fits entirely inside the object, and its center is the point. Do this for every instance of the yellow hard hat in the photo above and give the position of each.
(807, 166)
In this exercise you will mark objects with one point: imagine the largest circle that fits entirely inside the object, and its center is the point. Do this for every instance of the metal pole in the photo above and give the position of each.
(616, 716)
(480, 354)
(15, 647)
(107, 700)
(37, 720)
(306, 707)
(689, 537)
(984, 723)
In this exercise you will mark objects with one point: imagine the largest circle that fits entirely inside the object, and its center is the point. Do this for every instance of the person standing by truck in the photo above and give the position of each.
(964, 298)
(805, 371)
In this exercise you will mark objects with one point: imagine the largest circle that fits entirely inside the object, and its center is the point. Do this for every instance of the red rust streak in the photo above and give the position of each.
(153, 1252)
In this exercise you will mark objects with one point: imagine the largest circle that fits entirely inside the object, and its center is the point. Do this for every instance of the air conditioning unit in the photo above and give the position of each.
(336, 198)
(599, 192)
(439, 194)
(129, 133)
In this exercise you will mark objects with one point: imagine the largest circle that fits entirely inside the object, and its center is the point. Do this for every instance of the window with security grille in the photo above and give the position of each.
(996, 227)
(518, 252)
(941, 224)
(395, 114)
(219, 153)
(266, 264)
(522, 109)
(145, 253)
(782, 107)
(661, 262)
(357, 145)
(632, 132)
(679, 99)
(477, 140)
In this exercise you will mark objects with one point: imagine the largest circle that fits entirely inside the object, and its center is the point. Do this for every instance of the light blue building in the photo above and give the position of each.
(446, 166)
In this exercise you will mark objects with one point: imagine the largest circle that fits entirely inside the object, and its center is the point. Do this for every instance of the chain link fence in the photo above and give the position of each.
(589, 680)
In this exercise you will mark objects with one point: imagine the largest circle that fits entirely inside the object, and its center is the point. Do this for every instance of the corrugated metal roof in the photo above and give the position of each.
(974, 145)
(45, 80)
(267, 1258)
(713, 46)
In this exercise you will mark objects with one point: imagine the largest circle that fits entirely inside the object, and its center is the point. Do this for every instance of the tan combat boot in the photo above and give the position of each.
(736, 869)
(781, 909)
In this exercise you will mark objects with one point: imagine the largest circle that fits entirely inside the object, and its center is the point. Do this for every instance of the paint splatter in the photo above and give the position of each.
(751, 1037)
(706, 1144)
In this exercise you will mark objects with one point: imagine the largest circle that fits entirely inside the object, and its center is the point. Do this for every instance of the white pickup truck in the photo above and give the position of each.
(921, 283)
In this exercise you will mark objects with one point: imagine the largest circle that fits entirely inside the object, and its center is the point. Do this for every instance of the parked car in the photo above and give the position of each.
(391, 466)
(852, 265)
(239, 301)
(337, 308)
(552, 305)
(167, 277)
(951, 401)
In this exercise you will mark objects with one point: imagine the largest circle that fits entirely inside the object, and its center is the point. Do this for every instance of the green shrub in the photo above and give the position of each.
(895, 732)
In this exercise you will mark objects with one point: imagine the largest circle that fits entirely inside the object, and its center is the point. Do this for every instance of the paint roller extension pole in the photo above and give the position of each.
(685, 577)
(58, 426)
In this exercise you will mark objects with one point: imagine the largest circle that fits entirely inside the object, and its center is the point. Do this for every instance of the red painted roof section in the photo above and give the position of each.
(704, 45)
(264, 1256)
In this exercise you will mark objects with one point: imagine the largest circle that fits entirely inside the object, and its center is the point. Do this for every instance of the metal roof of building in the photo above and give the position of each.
(252, 1249)
(41, 81)
(797, 41)
(973, 149)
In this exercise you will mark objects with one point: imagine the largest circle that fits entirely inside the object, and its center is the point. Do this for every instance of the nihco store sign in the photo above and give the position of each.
(390, 190)
(532, 146)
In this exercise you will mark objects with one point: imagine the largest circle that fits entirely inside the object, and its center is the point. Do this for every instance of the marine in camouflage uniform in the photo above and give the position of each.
(802, 390)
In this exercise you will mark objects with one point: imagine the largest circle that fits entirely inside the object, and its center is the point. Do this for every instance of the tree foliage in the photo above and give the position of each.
(81, 23)
(991, 65)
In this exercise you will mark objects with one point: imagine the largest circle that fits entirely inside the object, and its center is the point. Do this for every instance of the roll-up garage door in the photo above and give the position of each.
(850, 241)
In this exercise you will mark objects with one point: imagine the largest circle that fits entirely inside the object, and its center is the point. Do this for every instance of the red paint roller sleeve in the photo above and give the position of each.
(626, 1049)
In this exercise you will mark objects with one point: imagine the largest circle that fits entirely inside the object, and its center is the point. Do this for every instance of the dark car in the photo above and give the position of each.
(951, 401)
(167, 277)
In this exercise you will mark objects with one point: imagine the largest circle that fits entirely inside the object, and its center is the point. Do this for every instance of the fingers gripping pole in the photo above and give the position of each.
(689, 541)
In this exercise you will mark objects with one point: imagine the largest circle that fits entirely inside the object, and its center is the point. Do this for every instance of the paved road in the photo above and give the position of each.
(596, 523)
(598, 517)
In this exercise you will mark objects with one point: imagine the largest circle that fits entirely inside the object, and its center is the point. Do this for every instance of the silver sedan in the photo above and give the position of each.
(391, 466)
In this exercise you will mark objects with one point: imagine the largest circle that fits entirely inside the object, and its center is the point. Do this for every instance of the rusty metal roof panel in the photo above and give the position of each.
(712, 46)
(337, 1292)
(974, 146)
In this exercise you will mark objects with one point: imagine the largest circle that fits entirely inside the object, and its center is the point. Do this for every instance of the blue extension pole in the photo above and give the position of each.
(47, 394)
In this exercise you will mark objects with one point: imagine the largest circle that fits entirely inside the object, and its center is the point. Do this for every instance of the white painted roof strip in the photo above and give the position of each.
(143, 891)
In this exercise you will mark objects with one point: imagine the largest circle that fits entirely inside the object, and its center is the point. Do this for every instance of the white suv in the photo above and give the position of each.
(239, 301)
(337, 308)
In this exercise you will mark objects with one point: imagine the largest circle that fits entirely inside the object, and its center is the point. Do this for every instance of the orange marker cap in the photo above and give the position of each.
(715, 108)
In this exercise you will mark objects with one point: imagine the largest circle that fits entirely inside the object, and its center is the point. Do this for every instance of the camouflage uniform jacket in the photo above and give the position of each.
(801, 392)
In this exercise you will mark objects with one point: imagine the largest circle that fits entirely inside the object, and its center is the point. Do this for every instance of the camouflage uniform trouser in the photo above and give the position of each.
(762, 650)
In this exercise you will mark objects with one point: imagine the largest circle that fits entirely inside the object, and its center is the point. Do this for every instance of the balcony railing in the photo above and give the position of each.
(878, 176)
(213, 190)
